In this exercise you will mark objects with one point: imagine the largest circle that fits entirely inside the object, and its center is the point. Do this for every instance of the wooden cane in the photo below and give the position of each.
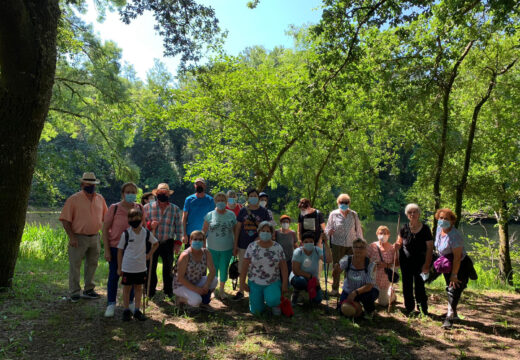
(393, 267)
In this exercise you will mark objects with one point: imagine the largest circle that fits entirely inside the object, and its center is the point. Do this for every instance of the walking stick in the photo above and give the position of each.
(393, 267)
(145, 298)
(326, 273)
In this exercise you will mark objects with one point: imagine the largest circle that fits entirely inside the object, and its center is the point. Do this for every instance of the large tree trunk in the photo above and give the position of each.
(27, 65)
(447, 88)
(506, 270)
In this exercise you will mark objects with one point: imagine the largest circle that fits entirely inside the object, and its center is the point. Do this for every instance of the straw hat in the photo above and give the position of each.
(89, 178)
(162, 186)
(350, 309)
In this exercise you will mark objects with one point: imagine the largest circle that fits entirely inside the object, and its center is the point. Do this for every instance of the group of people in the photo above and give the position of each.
(271, 260)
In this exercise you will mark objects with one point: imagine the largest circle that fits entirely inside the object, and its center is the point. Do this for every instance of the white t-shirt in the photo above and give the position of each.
(134, 257)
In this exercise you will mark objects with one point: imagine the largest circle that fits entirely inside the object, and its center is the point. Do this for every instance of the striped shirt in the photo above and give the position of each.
(346, 228)
(170, 221)
(357, 278)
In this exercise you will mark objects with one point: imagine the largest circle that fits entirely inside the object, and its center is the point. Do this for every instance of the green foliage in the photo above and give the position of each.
(43, 242)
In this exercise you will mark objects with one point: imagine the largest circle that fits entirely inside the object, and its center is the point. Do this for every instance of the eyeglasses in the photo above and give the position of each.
(359, 247)
(344, 202)
(197, 239)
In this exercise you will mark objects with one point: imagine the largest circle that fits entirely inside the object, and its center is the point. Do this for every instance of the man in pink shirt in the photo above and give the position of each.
(82, 218)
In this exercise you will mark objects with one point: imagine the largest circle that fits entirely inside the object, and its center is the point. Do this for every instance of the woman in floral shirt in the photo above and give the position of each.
(264, 259)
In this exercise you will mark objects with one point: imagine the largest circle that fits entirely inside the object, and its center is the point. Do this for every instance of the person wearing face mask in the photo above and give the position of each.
(263, 201)
(458, 267)
(219, 226)
(82, 217)
(232, 202)
(265, 265)
(116, 221)
(196, 206)
(248, 219)
(191, 286)
(305, 275)
(287, 238)
(382, 253)
(415, 244)
(343, 227)
(166, 225)
(132, 259)
(310, 219)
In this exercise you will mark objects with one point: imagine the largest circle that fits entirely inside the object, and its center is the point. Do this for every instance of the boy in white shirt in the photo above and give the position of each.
(131, 260)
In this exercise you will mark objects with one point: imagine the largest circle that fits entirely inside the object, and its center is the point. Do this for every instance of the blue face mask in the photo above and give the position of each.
(308, 246)
(221, 205)
(130, 198)
(252, 200)
(343, 207)
(445, 224)
(231, 201)
(197, 244)
(265, 235)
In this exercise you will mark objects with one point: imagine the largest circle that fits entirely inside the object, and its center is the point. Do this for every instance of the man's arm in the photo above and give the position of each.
(67, 225)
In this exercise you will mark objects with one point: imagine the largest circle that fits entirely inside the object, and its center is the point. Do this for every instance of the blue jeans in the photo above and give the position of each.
(262, 295)
(368, 299)
(300, 283)
(113, 279)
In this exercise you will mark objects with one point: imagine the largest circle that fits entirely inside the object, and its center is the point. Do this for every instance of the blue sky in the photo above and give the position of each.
(265, 25)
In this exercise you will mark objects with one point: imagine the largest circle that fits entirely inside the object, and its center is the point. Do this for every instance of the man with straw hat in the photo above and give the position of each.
(82, 217)
(166, 224)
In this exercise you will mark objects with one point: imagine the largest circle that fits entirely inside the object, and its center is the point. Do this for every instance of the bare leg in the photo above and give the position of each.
(126, 295)
(138, 291)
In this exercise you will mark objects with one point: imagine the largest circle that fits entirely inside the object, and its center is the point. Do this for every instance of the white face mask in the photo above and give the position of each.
(383, 238)
(263, 203)
(285, 225)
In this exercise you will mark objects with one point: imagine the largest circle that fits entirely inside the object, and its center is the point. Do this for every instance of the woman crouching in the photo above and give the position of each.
(359, 286)
(190, 285)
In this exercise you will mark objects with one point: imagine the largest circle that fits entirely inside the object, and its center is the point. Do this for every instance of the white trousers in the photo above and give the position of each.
(192, 298)
(385, 296)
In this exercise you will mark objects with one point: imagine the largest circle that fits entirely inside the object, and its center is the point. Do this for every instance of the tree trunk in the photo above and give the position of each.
(28, 32)
(444, 123)
(506, 270)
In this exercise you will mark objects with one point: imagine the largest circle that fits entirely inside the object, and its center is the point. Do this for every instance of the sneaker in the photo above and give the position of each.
(138, 315)
(131, 306)
(127, 315)
(90, 294)
(238, 296)
(447, 324)
(276, 311)
(75, 298)
(109, 312)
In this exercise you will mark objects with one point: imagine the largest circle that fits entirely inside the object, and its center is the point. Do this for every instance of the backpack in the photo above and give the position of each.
(349, 262)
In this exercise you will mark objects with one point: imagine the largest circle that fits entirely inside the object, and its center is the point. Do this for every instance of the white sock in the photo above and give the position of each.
(450, 311)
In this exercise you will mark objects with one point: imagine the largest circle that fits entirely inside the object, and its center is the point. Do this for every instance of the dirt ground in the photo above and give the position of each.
(37, 322)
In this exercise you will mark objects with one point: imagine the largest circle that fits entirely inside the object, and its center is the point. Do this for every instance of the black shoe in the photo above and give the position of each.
(294, 297)
(423, 309)
(138, 315)
(75, 298)
(238, 296)
(447, 324)
(90, 294)
(127, 315)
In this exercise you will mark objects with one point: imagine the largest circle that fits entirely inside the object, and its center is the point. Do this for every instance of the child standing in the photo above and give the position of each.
(131, 260)
(287, 238)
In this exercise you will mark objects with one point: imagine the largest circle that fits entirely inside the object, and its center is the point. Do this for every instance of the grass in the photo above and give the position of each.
(36, 321)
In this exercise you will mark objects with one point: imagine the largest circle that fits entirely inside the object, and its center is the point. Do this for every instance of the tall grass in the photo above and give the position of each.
(43, 242)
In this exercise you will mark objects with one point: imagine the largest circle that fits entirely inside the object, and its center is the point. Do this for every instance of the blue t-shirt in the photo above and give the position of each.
(197, 208)
(446, 243)
(308, 263)
(220, 230)
(248, 231)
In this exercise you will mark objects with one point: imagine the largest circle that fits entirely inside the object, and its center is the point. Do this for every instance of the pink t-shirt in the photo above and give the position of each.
(119, 222)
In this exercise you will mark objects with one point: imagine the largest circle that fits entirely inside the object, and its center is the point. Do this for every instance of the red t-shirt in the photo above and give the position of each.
(236, 210)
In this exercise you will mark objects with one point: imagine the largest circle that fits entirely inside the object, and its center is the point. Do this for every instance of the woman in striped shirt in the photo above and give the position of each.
(360, 281)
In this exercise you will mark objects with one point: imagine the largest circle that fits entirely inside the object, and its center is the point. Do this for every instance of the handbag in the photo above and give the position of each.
(444, 264)
(234, 273)
(393, 276)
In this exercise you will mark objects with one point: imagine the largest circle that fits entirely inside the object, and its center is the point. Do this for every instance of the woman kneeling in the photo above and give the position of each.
(190, 285)
(359, 285)
(305, 274)
(263, 261)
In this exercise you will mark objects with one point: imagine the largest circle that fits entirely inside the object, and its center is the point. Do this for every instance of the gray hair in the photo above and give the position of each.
(266, 223)
(412, 206)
